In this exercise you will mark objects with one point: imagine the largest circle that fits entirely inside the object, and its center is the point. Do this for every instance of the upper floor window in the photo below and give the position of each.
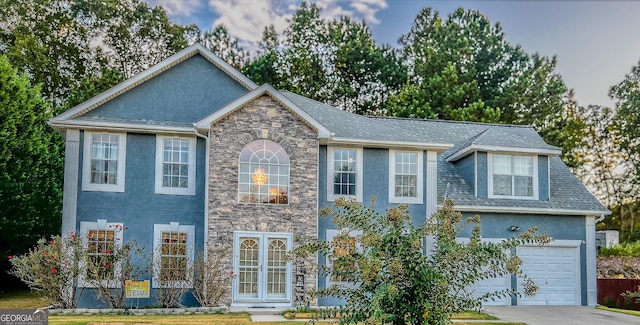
(103, 162)
(263, 175)
(405, 176)
(513, 176)
(344, 173)
(175, 165)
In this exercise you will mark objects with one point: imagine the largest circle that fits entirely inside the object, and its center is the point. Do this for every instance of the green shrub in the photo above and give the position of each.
(622, 249)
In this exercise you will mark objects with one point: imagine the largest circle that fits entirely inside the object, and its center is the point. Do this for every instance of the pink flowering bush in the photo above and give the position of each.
(51, 268)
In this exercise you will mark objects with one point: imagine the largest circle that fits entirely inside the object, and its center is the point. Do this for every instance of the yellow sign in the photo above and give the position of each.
(136, 289)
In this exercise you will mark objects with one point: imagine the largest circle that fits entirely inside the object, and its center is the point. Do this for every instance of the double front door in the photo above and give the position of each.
(263, 274)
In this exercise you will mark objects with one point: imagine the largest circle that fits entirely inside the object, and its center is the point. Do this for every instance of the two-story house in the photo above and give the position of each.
(192, 153)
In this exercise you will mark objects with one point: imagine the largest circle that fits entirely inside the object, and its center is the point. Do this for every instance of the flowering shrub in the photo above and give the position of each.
(52, 268)
(109, 273)
(212, 278)
(387, 279)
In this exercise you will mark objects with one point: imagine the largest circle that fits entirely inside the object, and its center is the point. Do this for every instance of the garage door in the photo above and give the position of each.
(555, 271)
(493, 285)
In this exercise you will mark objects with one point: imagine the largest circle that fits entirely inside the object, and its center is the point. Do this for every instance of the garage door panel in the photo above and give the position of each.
(555, 271)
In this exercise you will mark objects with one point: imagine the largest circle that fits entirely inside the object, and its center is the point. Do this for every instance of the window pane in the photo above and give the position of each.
(263, 173)
(502, 164)
(501, 185)
(523, 166)
(406, 174)
(104, 159)
(523, 186)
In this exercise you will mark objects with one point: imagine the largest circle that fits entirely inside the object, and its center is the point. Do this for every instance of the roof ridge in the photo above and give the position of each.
(449, 121)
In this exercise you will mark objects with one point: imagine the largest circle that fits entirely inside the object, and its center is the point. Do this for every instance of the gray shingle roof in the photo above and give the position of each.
(566, 191)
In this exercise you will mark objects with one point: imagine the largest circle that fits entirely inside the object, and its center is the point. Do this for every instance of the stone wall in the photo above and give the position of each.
(263, 118)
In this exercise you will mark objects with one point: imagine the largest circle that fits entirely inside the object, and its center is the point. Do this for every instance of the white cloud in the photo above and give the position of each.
(246, 19)
(177, 7)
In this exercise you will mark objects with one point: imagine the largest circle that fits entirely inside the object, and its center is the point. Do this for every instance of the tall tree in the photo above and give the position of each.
(30, 165)
(133, 35)
(263, 68)
(44, 39)
(334, 61)
(462, 68)
(225, 46)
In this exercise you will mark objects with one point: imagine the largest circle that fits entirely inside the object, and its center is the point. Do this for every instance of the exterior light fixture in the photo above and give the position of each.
(514, 228)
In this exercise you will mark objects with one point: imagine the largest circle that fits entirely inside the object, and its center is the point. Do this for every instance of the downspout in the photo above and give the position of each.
(206, 191)
(600, 219)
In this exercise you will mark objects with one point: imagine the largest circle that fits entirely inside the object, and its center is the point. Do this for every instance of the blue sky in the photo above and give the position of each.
(596, 42)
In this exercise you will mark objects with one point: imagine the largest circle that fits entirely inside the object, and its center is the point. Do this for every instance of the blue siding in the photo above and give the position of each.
(138, 207)
(188, 92)
(483, 172)
(467, 168)
(375, 184)
(543, 178)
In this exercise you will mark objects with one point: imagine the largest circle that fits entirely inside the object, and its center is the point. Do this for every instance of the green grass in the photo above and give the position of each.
(221, 319)
(622, 311)
(21, 300)
(474, 315)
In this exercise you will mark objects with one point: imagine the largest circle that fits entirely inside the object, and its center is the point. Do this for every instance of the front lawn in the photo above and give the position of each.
(222, 319)
(21, 300)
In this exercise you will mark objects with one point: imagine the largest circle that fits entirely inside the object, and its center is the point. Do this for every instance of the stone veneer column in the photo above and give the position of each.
(263, 118)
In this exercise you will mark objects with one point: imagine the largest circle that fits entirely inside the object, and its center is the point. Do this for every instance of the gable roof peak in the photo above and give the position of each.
(140, 78)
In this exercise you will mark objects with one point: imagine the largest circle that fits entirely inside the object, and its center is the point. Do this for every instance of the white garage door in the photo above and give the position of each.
(493, 285)
(555, 271)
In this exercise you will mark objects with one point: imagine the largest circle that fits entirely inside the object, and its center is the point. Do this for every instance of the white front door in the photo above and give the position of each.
(263, 274)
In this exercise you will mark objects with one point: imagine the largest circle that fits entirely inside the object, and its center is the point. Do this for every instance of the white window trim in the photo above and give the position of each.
(359, 174)
(157, 240)
(191, 187)
(490, 178)
(86, 164)
(392, 179)
(100, 224)
(331, 234)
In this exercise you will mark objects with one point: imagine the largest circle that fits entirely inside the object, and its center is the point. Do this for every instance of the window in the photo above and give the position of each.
(263, 176)
(344, 173)
(405, 176)
(101, 240)
(175, 165)
(173, 255)
(342, 261)
(513, 176)
(103, 162)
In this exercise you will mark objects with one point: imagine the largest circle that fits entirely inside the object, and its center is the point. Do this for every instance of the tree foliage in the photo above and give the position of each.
(462, 68)
(387, 276)
(30, 165)
(334, 61)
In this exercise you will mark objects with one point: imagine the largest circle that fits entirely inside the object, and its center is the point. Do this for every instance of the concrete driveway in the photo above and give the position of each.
(564, 315)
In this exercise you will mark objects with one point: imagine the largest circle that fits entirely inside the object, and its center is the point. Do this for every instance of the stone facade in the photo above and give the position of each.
(263, 118)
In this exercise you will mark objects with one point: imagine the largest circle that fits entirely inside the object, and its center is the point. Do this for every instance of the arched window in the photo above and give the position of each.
(263, 176)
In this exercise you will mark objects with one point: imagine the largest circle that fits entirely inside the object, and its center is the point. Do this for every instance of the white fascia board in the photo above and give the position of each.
(112, 126)
(152, 72)
(205, 123)
(524, 210)
(390, 144)
(474, 147)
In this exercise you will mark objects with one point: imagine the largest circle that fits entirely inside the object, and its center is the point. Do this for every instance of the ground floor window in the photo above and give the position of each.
(173, 255)
(100, 239)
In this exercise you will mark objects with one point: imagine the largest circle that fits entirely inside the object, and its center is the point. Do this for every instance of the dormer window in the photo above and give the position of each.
(512, 176)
